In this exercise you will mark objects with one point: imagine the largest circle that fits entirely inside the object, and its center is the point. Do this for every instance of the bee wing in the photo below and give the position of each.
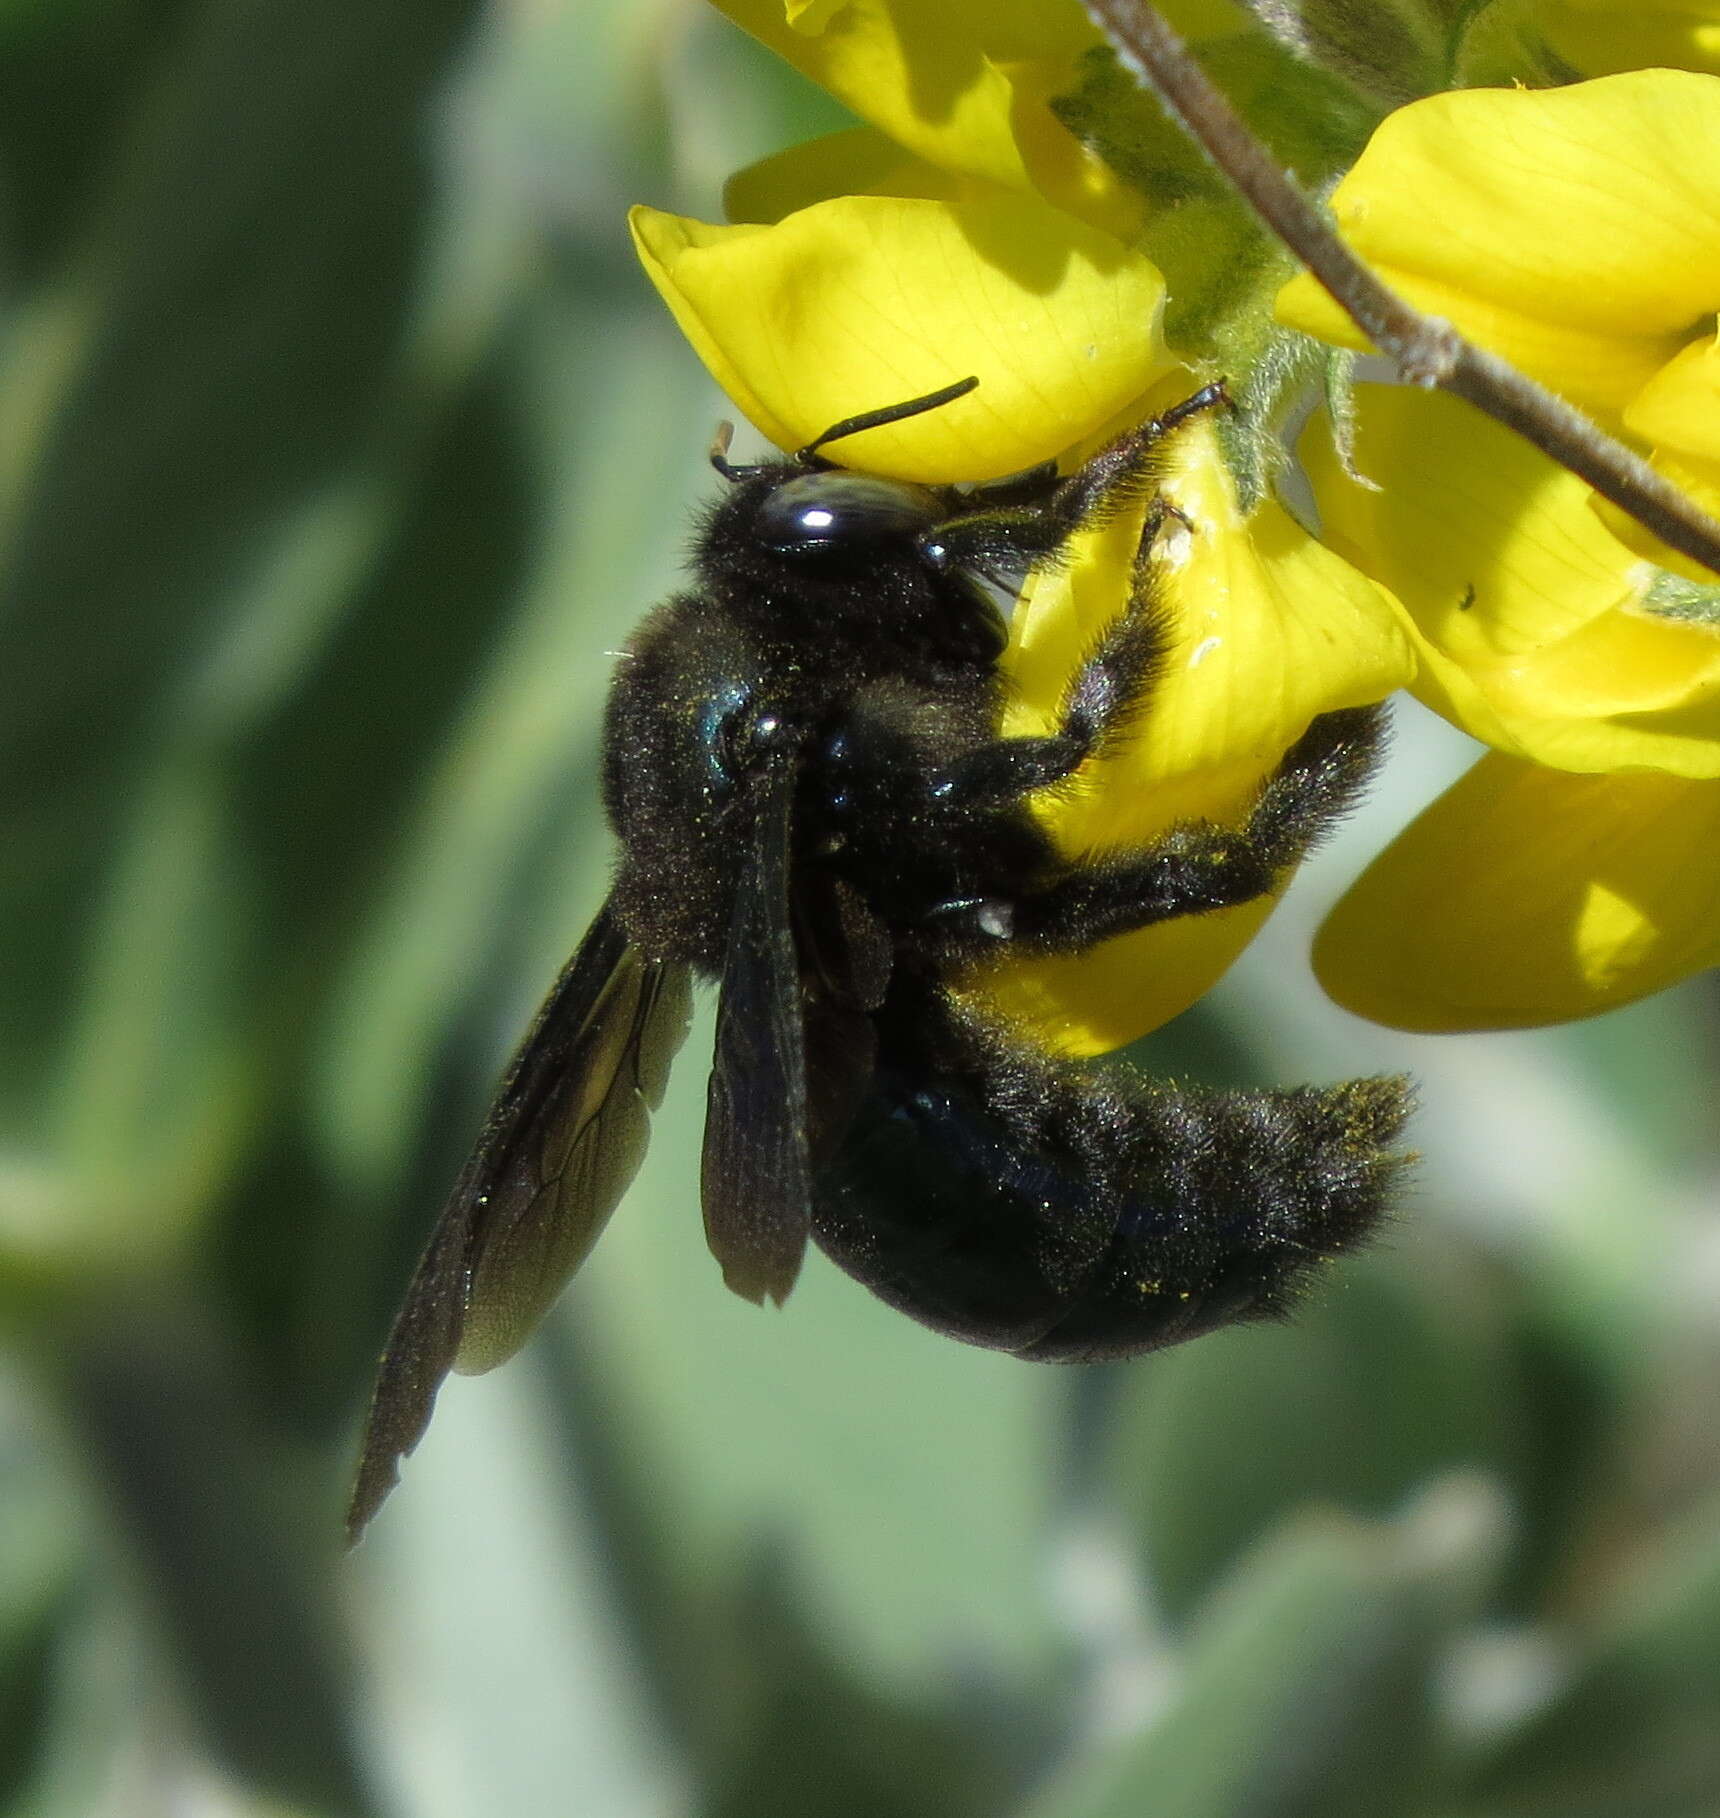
(565, 1136)
(756, 1179)
(846, 961)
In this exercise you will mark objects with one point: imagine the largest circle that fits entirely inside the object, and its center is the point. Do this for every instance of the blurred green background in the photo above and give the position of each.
(342, 440)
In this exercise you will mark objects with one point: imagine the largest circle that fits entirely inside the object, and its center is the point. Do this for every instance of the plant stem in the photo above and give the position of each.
(1426, 350)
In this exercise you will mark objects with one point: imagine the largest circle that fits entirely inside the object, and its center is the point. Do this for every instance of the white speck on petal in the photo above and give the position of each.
(1202, 651)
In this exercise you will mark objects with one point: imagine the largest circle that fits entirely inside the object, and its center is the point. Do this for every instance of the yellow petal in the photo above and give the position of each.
(1268, 629)
(964, 84)
(1526, 896)
(1679, 408)
(1572, 230)
(1097, 1002)
(1600, 40)
(1633, 11)
(859, 162)
(1676, 411)
(1535, 636)
(866, 300)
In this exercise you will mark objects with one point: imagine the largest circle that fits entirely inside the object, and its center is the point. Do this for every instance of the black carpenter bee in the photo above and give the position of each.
(815, 808)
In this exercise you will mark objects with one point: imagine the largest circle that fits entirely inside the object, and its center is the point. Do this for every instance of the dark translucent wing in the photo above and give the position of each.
(756, 1182)
(846, 960)
(564, 1138)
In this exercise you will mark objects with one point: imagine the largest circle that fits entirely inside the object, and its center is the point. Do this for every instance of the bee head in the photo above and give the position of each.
(806, 507)
(817, 548)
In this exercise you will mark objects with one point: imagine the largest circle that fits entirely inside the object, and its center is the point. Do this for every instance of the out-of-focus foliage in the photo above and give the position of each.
(343, 441)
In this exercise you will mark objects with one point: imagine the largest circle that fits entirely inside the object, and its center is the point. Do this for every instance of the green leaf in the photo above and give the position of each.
(1395, 1371)
(232, 1556)
(1306, 1688)
(41, 1579)
(1635, 1733)
(910, 1480)
(523, 749)
(68, 72)
(504, 1647)
(154, 1096)
(813, 1741)
(189, 386)
(375, 703)
(1570, 1454)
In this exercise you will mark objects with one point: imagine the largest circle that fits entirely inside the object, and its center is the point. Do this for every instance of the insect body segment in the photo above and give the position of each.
(1042, 1207)
(816, 810)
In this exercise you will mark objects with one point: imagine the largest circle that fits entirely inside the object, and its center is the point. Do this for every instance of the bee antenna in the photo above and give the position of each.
(725, 434)
(747, 470)
(891, 413)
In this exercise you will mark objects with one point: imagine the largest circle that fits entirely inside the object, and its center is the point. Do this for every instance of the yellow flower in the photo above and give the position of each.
(964, 85)
(1271, 629)
(1573, 230)
(1534, 623)
(863, 300)
(964, 231)
(1574, 869)
(1526, 896)
(1602, 37)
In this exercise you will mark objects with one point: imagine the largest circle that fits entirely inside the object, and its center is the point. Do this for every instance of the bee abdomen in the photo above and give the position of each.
(1073, 1216)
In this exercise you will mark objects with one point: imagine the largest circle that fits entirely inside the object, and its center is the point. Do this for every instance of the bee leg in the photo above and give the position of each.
(1034, 535)
(1101, 703)
(1199, 866)
(1032, 486)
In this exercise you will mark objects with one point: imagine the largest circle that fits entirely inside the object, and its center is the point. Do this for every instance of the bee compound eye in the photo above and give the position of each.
(817, 512)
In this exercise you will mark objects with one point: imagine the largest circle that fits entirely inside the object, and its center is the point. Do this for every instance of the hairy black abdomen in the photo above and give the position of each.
(1072, 1216)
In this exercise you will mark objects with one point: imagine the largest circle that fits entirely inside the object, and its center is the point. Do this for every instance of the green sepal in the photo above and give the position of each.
(1392, 51)
(1222, 268)
(1315, 123)
(1673, 596)
(1503, 46)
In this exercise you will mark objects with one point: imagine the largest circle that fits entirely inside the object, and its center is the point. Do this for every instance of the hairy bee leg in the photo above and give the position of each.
(1035, 534)
(1100, 705)
(1322, 778)
(1103, 699)
(1199, 866)
(1118, 475)
(1031, 487)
